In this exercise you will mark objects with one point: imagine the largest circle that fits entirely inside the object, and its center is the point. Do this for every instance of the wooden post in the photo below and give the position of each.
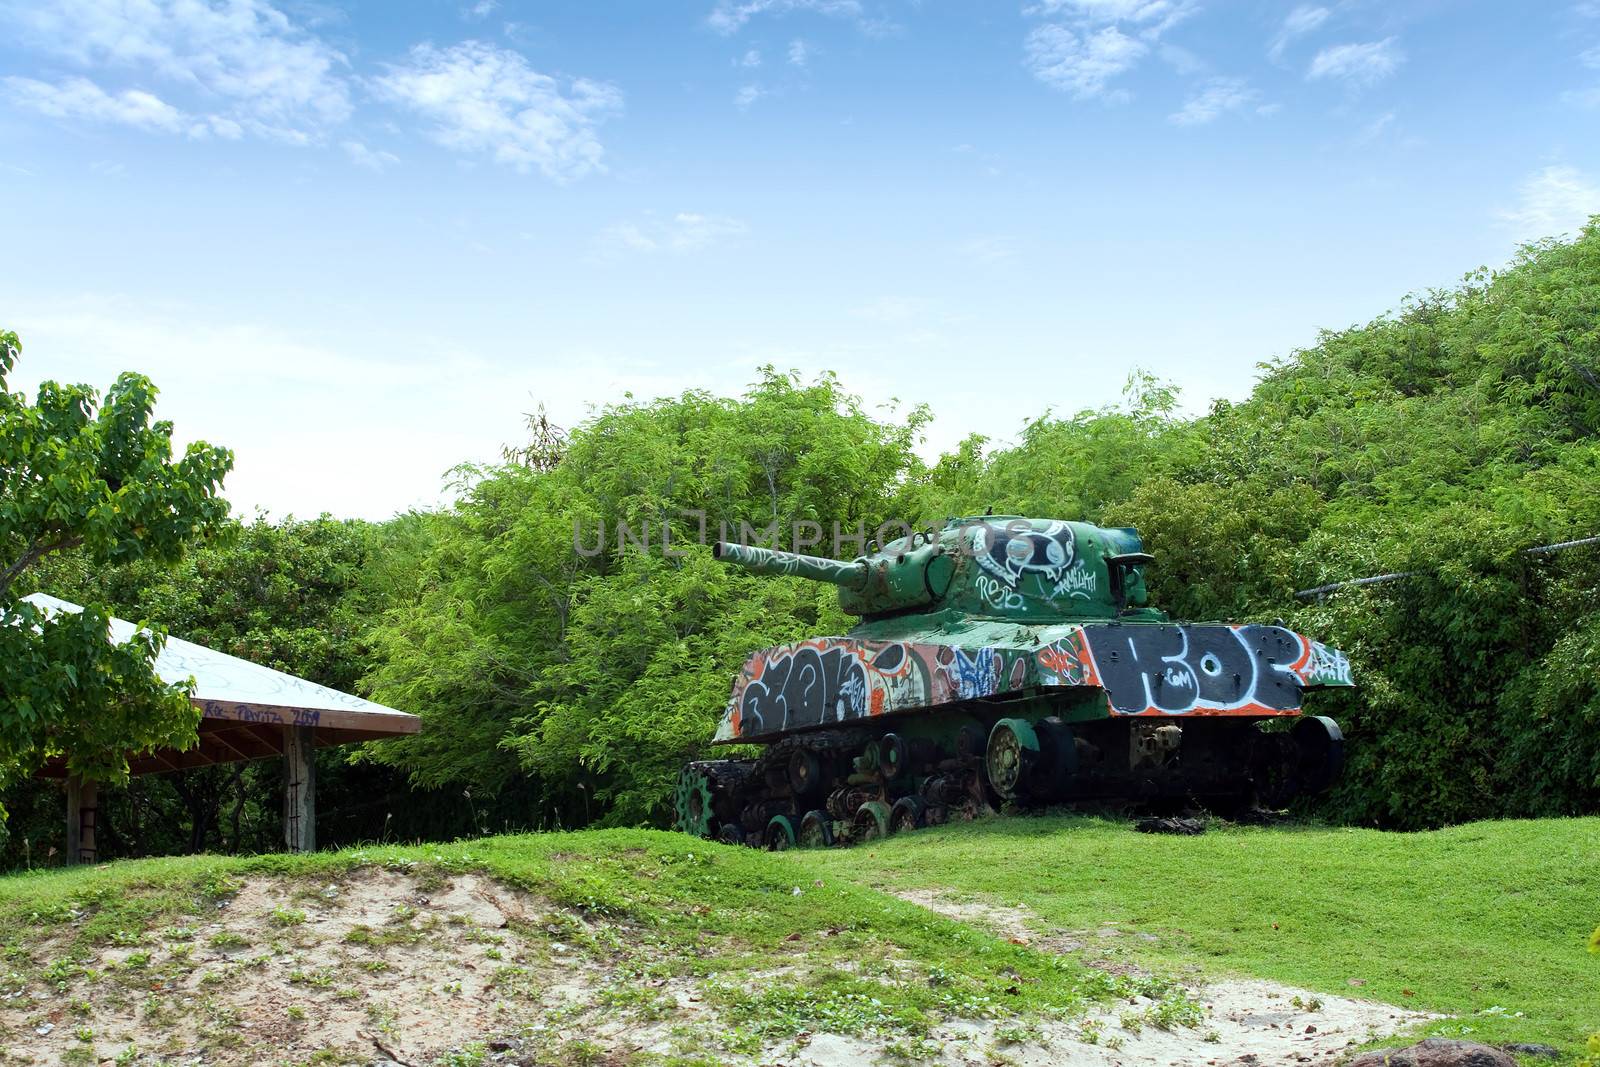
(82, 798)
(300, 788)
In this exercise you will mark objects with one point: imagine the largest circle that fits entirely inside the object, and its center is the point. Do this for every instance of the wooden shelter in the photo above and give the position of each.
(247, 712)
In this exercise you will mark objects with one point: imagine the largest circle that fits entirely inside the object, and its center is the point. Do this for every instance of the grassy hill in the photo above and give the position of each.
(643, 947)
(1486, 922)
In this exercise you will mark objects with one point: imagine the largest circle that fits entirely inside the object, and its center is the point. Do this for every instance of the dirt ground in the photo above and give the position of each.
(379, 969)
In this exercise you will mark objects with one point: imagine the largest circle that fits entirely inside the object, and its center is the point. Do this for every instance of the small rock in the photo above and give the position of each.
(1528, 1048)
(44, 1029)
(1436, 1052)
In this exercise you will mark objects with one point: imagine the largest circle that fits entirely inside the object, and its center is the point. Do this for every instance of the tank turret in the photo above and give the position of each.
(998, 566)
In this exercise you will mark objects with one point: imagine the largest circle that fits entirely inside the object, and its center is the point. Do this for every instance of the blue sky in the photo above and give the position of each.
(355, 241)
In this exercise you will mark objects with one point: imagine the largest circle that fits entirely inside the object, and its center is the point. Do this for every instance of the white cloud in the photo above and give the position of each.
(729, 16)
(1358, 65)
(372, 159)
(747, 95)
(1299, 22)
(277, 78)
(1080, 65)
(750, 59)
(1557, 200)
(80, 98)
(1094, 41)
(683, 233)
(486, 99)
(1217, 97)
(225, 128)
(1154, 16)
(1376, 128)
(1181, 59)
(482, 9)
(799, 53)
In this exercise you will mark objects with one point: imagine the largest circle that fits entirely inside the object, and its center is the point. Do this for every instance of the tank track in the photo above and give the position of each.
(836, 787)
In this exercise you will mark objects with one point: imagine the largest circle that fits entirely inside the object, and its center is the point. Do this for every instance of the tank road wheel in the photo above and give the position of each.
(871, 821)
(803, 772)
(816, 830)
(1319, 745)
(970, 742)
(731, 834)
(892, 756)
(908, 813)
(691, 803)
(1012, 754)
(780, 834)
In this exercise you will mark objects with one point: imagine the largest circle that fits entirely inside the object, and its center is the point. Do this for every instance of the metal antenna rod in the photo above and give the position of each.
(1322, 590)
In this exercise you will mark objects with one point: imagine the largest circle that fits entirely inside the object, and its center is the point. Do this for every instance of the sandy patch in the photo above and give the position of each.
(371, 966)
(1248, 1021)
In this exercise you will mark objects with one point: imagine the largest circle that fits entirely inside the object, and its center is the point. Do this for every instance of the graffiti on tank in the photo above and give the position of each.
(1019, 674)
(833, 680)
(1044, 551)
(1079, 582)
(1179, 670)
(1328, 666)
(1143, 669)
(803, 685)
(1009, 551)
(997, 595)
(975, 675)
(1067, 662)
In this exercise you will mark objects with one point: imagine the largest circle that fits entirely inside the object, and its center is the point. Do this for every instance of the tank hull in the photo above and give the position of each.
(1099, 671)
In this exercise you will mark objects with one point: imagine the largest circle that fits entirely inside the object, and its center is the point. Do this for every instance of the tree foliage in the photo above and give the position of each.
(545, 642)
(95, 475)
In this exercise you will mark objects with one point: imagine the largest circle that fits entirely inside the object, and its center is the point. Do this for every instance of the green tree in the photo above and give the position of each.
(79, 472)
(595, 673)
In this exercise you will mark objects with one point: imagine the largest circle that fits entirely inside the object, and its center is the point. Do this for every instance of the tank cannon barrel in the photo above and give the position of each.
(768, 561)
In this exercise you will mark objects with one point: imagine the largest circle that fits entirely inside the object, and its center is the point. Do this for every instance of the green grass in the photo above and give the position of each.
(1486, 922)
(1482, 921)
(779, 949)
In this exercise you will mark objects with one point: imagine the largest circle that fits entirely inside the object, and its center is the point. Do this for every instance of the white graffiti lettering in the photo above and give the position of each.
(1080, 582)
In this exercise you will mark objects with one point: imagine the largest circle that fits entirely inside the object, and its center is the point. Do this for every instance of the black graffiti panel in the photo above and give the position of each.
(1178, 669)
(804, 687)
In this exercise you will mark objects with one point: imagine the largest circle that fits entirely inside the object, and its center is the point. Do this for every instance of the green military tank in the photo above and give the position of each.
(1005, 660)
